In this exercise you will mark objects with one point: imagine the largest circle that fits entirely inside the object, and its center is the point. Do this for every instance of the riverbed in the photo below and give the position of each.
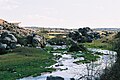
(66, 68)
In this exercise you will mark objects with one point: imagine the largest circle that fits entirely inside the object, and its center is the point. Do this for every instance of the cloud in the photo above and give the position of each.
(44, 18)
(39, 20)
(9, 4)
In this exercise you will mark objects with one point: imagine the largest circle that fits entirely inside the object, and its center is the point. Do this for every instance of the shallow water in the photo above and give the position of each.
(72, 70)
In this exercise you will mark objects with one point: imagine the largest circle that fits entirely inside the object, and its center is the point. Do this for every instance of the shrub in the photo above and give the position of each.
(77, 47)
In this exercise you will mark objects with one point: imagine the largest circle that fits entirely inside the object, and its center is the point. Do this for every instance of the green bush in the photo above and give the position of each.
(77, 47)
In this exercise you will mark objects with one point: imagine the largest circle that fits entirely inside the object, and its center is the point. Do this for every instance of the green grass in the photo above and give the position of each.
(25, 62)
(48, 48)
(88, 57)
(98, 44)
(59, 50)
(91, 57)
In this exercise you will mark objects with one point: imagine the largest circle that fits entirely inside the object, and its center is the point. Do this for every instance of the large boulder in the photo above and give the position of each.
(8, 40)
(83, 35)
(12, 37)
(36, 40)
(6, 36)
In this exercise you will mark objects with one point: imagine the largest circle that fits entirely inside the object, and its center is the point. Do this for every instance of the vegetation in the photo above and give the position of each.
(48, 48)
(88, 57)
(113, 72)
(29, 61)
(99, 44)
(59, 41)
(25, 62)
(77, 47)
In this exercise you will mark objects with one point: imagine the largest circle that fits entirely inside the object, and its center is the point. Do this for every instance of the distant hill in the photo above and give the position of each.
(107, 29)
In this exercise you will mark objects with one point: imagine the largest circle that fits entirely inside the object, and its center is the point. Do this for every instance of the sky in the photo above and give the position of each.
(62, 13)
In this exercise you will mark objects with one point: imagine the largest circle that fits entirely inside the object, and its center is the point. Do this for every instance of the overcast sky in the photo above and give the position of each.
(62, 13)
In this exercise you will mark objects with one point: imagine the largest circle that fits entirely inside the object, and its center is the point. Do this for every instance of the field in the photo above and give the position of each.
(25, 62)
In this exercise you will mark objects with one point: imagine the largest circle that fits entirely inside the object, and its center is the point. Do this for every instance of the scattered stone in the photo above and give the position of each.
(54, 78)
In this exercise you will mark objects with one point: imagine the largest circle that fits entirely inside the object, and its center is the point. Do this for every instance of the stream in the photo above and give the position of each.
(66, 68)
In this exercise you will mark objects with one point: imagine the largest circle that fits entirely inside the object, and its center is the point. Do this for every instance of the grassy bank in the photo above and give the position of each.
(24, 62)
(88, 57)
(99, 44)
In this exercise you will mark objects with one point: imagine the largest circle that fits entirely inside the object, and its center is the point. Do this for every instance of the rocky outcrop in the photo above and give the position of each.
(84, 35)
(12, 36)
(14, 28)
(7, 41)
(36, 40)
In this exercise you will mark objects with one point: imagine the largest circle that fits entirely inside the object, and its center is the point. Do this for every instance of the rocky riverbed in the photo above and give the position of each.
(67, 69)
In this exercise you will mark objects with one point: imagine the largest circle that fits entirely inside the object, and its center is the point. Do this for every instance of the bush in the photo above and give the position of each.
(77, 47)
(57, 41)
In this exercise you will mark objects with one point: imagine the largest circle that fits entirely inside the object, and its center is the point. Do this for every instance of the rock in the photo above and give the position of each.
(12, 37)
(41, 41)
(72, 79)
(6, 40)
(9, 39)
(6, 36)
(54, 78)
(59, 64)
(18, 45)
(13, 45)
(1, 27)
(83, 35)
(3, 46)
(35, 42)
(8, 47)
